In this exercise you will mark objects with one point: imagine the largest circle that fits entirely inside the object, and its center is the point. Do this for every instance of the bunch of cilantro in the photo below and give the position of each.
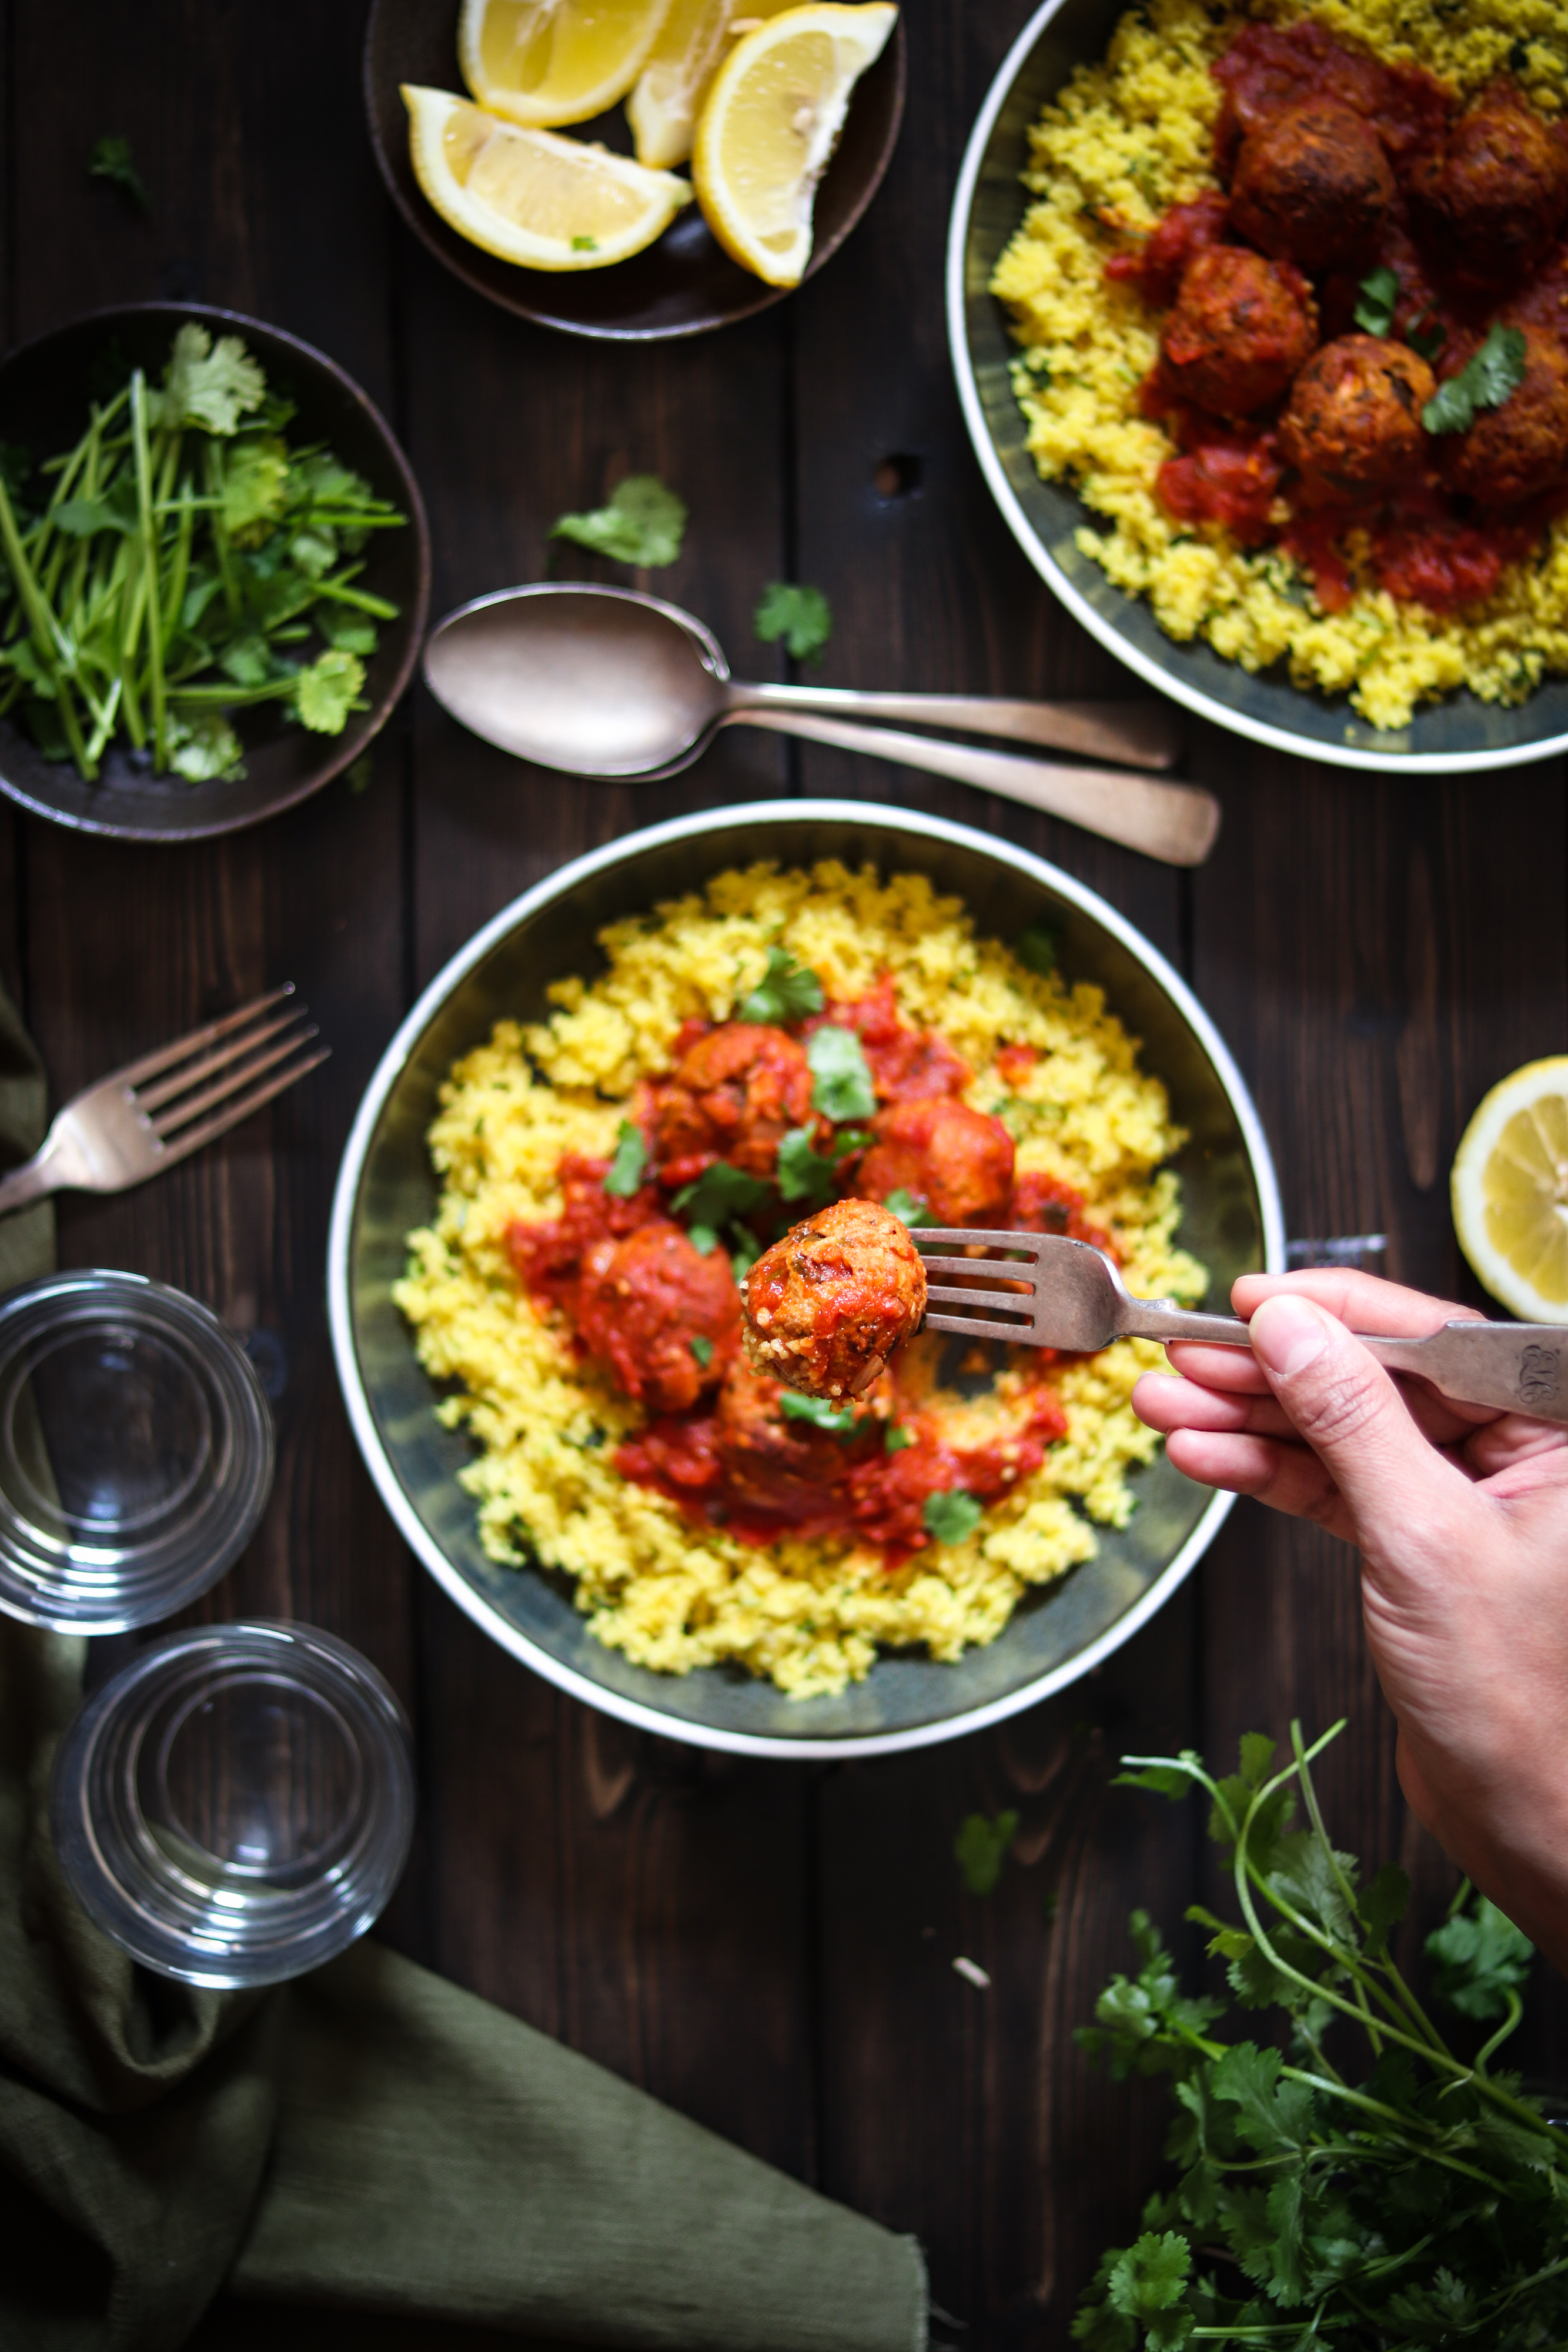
(1391, 2195)
(183, 561)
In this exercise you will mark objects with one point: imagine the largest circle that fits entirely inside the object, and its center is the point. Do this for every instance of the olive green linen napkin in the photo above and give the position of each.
(369, 2136)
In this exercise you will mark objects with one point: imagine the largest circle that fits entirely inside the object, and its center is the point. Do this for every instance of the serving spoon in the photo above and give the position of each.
(610, 683)
(1053, 1292)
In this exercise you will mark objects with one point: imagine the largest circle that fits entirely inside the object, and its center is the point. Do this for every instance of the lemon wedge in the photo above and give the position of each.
(1511, 1192)
(544, 62)
(770, 123)
(528, 196)
(673, 87)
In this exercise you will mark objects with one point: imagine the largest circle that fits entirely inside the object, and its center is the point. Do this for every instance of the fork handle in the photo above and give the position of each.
(30, 1182)
(1516, 1367)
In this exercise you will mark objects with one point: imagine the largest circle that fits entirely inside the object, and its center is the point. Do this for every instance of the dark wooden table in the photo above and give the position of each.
(766, 1947)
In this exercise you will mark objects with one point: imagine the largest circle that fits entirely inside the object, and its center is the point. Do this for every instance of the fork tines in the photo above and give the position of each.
(206, 1083)
(1001, 1288)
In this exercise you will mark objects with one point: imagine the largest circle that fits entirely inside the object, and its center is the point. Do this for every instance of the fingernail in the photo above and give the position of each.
(1287, 1335)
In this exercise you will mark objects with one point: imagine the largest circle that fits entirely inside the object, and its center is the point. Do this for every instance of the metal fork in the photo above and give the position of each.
(1050, 1292)
(142, 1118)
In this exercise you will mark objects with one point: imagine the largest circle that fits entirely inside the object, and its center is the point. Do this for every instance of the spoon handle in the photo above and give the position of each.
(1141, 734)
(1178, 822)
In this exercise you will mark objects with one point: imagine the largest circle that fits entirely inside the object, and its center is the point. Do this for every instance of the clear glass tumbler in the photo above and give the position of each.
(136, 1451)
(236, 1804)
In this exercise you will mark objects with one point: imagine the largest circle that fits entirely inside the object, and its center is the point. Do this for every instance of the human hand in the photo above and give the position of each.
(1461, 1517)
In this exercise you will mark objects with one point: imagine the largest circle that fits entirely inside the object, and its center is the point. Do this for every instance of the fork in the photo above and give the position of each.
(156, 1111)
(1051, 1292)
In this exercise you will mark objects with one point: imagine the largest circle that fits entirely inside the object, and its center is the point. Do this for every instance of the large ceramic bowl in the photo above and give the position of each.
(386, 1186)
(1457, 734)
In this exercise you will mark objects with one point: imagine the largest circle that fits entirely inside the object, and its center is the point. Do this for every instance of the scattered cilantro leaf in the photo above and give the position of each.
(209, 385)
(786, 990)
(843, 1088)
(112, 159)
(980, 1848)
(644, 523)
(1478, 1959)
(1427, 339)
(720, 1193)
(895, 1437)
(801, 617)
(359, 773)
(804, 1173)
(326, 692)
(745, 1251)
(1485, 380)
(950, 1516)
(702, 1348)
(841, 1420)
(255, 487)
(1035, 948)
(906, 1207)
(1377, 295)
(585, 244)
(204, 750)
(628, 1162)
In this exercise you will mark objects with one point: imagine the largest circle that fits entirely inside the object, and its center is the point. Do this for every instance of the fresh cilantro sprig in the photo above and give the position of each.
(643, 522)
(1485, 380)
(950, 1517)
(804, 1173)
(1421, 2202)
(980, 1849)
(720, 1196)
(786, 990)
(842, 1087)
(1035, 948)
(112, 159)
(182, 562)
(906, 1207)
(801, 617)
(841, 1421)
(629, 1162)
(1375, 299)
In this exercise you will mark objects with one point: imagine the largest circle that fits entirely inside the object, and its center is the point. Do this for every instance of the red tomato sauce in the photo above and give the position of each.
(548, 1258)
(1420, 544)
(905, 1064)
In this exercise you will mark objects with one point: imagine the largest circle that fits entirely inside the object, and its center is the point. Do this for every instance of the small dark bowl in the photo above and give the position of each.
(683, 285)
(44, 404)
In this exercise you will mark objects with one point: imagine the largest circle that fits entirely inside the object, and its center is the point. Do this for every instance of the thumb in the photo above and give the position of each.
(1398, 1489)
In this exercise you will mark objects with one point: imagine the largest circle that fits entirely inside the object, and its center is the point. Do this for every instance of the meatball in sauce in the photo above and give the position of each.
(958, 1162)
(1241, 327)
(1511, 453)
(1492, 198)
(1312, 187)
(643, 1301)
(734, 1095)
(779, 1466)
(1353, 424)
(826, 1306)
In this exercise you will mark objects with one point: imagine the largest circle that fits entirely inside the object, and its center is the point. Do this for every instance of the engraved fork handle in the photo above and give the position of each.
(1517, 1366)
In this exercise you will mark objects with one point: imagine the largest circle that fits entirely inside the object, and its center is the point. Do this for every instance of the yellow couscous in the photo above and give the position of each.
(810, 1614)
(1124, 140)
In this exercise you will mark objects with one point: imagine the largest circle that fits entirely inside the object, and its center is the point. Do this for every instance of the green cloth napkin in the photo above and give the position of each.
(369, 2136)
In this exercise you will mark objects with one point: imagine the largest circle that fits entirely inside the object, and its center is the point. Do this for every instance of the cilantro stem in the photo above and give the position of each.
(45, 633)
(215, 470)
(361, 598)
(149, 570)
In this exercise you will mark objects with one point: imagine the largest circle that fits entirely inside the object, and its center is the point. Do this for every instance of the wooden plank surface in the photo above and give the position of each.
(769, 1947)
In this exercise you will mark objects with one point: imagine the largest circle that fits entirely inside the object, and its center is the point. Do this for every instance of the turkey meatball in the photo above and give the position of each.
(1491, 200)
(1313, 185)
(643, 1302)
(826, 1306)
(957, 1161)
(1240, 329)
(1511, 453)
(735, 1095)
(1354, 419)
(777, 1464)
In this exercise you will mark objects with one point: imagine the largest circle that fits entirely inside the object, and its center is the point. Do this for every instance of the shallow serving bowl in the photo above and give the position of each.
(1459, 733)
(386, 1186)
(46, 388)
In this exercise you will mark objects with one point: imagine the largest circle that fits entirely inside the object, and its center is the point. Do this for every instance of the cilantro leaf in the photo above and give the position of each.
(746, 1251)
(1378, 293)
(801, 617)
(210, 385)
(1426, 340)
(326, 692)
(821, 1414)
(255, 487)
(112, 159)
(843, 1088)
(949, 1517)
(907, 1208)
(203, 748)
(1035, 948)
(1382, 1906)
(702, 1348)
(628, 1162)
(1478, 1958)
(1150, 2276)
(980, 1848)
(719, 1193)
(644, 523)
(1485, 380)
(786, 990)
(805, 1173)
(895, 1437)
(79, 518)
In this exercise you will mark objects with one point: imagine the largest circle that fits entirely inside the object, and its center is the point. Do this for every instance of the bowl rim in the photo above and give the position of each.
(419, 217)
(1207, 706)
(645, 1716)
(417, 614)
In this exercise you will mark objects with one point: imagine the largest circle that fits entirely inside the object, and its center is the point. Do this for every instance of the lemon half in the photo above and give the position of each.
(544, 62)
(1511, 1191)
(673, 88)
(772, 122)
(528, 196)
